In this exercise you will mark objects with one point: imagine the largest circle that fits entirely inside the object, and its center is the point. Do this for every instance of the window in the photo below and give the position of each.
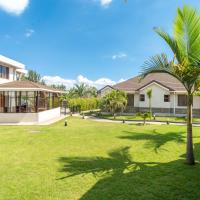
(182, 100)
(166, 98)
(4, 72)
(142, 97)
(130, 100)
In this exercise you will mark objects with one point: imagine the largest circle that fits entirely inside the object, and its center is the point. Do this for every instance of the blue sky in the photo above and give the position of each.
(95, 41)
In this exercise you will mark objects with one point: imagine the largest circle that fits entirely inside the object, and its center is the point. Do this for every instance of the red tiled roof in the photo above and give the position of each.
(163, 79)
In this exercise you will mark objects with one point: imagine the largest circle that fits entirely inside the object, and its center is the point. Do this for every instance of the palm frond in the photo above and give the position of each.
(159, 64)
(171, 42)
(187, 31)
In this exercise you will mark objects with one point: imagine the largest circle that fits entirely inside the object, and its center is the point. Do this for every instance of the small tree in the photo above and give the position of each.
(149, 95)
(144, 116)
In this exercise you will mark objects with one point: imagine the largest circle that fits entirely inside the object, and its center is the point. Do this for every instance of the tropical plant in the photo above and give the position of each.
(149, 95)
(185, 65)
(144, 116)
(82, 90)
(114, 101)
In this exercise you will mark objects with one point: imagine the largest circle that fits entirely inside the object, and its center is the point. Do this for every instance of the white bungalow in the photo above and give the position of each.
(169, 96)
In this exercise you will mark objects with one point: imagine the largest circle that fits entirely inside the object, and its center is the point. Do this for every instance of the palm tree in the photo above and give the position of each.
(80, 89)
(83, 90)
(185, 66)
(114, 101)
(149, 94)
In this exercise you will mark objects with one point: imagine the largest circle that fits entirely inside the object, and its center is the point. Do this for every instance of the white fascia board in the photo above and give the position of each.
(23, 71)
(11, 62)
(180, 92)
(29, 90)
(130, 92)
(155, 84)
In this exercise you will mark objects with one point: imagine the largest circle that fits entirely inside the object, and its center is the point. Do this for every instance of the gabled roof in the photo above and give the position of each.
(136, 83)
(27, 86)
(105, 87)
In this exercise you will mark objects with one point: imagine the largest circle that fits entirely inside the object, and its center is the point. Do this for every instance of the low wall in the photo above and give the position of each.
(18, 117)
(163, 111)
(48, 115)
(30, 117)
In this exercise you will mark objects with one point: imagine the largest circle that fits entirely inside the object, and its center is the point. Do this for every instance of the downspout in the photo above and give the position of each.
(174, 103)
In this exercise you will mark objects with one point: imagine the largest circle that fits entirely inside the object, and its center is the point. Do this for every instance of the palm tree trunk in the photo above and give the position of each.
(189, 151)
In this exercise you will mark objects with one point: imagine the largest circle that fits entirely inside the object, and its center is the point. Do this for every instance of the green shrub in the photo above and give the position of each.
(83, 104)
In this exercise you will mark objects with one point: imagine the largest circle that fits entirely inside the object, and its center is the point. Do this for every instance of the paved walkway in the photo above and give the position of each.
(135, 122)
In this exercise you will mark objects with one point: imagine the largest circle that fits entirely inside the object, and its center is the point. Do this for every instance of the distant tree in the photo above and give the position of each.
(59, 86)
(82, 91)
(91, 91)
(149, 94)
(33, 76)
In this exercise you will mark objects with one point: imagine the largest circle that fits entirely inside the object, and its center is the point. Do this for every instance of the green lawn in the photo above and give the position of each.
(132, 117)
(97, 161)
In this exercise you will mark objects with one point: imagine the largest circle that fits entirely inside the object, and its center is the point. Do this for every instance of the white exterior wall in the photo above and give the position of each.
(30, 117)
(196, 102)
(136, 99)
(106, 90)
(157, 100)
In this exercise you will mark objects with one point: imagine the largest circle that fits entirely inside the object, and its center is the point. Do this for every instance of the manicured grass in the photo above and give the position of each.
(133, 117)
(94, 160)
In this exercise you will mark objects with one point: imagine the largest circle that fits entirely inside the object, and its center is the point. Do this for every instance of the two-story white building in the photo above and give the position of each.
(25, 101)
(169, 96)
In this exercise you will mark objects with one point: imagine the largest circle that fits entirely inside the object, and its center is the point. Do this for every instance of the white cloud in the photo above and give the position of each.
(119, 56)
(69, 83)
(29, 33)
(14, 6)
(105, 2)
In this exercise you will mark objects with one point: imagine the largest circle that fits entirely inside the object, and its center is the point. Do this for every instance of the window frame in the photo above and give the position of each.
(142, 97)
(166, 98)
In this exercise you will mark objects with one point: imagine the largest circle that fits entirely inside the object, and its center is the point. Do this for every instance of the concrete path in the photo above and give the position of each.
(135, 122)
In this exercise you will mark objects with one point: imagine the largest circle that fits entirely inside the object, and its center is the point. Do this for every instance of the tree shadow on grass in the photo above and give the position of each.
(123, 178)
(155, 140)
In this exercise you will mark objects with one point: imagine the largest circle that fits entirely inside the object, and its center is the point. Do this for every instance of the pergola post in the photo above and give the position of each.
(37, 102)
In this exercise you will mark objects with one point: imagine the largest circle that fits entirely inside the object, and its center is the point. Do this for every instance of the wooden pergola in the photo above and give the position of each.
(27, 96)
